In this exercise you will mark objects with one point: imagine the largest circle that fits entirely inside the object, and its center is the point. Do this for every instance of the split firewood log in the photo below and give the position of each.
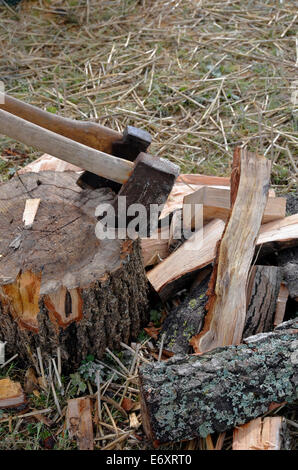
(227, 301)
(269, 433)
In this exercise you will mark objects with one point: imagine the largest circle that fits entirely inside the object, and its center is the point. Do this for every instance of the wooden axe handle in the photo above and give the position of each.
(100, 163)
(87, 133)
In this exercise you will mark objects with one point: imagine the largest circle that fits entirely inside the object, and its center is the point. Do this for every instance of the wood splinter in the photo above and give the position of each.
(31, 208)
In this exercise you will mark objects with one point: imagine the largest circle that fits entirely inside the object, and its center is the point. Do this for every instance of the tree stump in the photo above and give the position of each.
(60, 286)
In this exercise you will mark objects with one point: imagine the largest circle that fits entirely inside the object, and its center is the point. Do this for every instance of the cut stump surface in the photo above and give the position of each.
(59, 284)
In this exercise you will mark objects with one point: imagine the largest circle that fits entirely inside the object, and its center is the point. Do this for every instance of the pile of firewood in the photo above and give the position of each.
(226, 356)
(241, 368)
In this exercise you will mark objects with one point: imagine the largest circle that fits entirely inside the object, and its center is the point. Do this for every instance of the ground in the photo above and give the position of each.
(202, 76)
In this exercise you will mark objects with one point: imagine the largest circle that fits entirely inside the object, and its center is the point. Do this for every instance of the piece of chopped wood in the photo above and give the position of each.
(187, 319)
(203, 179)
(134, 423)
(261, 434)
(2, 352)
(283, 230)
(220, 441)
(187, 184)
(194, 254)
(31, 208)
(79, 422)
(281, 303)
(216, 202)
(227, 303)
(11, 394)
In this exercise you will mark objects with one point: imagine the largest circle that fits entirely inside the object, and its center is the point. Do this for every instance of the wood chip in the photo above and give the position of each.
(31, 208)
(11, 394)
(79, 422)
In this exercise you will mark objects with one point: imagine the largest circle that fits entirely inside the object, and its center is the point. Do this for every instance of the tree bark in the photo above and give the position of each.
(263, 288)
(192, 396)
(288, 260)
(60, 286)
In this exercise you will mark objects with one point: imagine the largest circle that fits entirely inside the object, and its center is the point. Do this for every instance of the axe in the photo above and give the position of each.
(148, 180)
(128, 146)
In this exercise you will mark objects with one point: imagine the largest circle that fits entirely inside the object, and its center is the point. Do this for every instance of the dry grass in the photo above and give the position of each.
(200, 75)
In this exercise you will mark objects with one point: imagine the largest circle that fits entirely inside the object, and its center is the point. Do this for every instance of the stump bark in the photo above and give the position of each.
(60, 286)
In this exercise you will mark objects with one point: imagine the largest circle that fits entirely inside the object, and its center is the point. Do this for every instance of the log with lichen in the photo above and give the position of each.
(191, 396)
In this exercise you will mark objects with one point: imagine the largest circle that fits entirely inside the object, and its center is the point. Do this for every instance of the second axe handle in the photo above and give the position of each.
(99, 163)
(87, 133)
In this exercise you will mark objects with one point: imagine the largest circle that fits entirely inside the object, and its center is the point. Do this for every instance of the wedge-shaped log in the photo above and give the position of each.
(186, 319)
(280, 233)
(191, 396)
(155, 248)
(227, 302)
(262, 293)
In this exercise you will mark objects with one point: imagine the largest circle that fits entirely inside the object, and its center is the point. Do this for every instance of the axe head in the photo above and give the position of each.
(133, 142)
(149, 184)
